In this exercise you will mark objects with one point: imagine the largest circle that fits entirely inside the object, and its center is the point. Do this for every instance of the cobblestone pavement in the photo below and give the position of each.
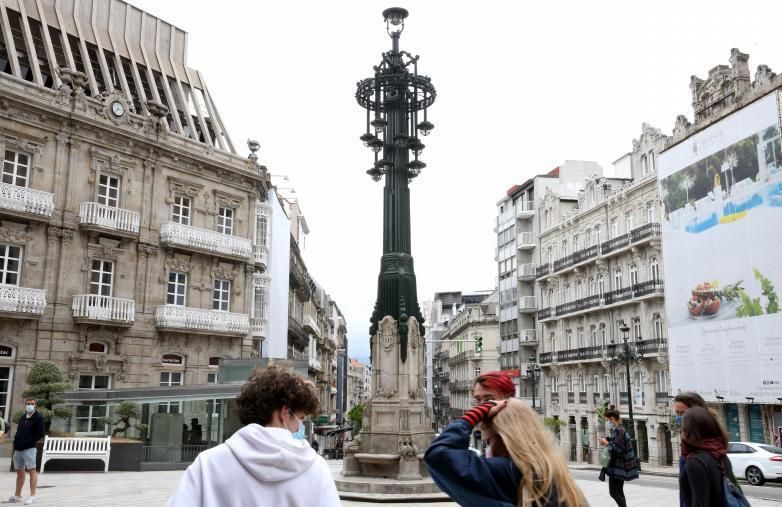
(147, 489)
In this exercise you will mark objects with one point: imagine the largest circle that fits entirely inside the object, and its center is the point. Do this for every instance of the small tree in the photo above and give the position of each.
(45, 382)
(128, 414)
(356, 416)
(553, 424)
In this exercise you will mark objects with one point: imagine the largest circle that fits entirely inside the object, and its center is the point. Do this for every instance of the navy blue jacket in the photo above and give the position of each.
(31, 429)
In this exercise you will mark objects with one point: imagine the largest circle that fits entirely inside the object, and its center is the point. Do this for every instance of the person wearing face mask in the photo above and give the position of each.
(31, 429)
(268, 461)
(622, 466)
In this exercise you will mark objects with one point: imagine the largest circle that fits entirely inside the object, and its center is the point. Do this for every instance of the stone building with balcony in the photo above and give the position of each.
(359, 383)
(600, 266)
(133, 235)
(517, 227)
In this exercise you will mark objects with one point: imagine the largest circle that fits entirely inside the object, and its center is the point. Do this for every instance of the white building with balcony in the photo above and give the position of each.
(600, 266)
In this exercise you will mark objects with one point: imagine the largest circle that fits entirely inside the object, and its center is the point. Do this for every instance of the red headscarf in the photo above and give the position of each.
(499, 382)
(713, 446)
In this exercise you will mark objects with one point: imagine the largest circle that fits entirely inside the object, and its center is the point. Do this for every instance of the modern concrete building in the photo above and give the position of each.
(518, 225)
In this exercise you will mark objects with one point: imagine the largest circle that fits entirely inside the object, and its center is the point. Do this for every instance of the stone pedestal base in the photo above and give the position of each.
(397, 425)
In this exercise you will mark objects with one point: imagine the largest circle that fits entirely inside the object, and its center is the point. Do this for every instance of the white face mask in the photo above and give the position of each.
(30, 409)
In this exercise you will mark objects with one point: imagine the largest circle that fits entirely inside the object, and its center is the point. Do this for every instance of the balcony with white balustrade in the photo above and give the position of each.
(106, 310)
(99, 217)
(195, 239)
(26, 202)
(183, 319)
(258, 327)
(260, 254)
(21, 302)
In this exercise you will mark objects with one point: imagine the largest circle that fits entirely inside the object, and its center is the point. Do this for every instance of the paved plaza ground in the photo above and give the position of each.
(149, 489)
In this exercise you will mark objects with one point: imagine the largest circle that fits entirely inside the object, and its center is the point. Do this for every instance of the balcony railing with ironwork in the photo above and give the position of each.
(578, 305)
(26, 200)
(197, 320)
(22, 301)
(615, 244)
(547, 357)
(624, 398)
(91, 307)
(92, 214)
(544, 313)
(618, 295)
(648, 287)
(543, 270)
(582, 397)
(579, 354)
(645, 231)
(653, 346)
(571, 397)
(204, 240)
(555, 397)
(661, 397)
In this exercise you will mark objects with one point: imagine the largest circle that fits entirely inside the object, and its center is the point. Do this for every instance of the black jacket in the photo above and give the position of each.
(701, 481)
(30, 430)
(622, 464)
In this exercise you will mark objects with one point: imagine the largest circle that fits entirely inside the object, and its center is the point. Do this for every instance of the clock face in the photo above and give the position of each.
(117, 108)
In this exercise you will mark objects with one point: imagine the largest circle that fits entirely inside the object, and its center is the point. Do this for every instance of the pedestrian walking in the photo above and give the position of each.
(268, 461)
(706, 478)
(622, 466)
(526, 469)
(30, 430)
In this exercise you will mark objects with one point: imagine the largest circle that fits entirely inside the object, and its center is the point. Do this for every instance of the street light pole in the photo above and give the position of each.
(533, 373)
(393, 99)
(627, 356)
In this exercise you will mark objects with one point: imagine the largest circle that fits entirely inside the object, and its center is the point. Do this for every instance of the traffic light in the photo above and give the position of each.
(479, 344)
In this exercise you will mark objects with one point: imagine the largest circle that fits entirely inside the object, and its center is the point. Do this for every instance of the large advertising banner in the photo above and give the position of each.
(721, 191)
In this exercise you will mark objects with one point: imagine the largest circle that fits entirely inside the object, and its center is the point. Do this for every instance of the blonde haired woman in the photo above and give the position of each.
(525, 468)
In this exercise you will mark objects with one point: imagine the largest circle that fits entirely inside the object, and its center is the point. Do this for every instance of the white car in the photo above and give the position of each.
(755, 462)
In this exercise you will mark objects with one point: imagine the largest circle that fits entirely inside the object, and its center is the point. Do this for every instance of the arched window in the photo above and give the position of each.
(98, 347)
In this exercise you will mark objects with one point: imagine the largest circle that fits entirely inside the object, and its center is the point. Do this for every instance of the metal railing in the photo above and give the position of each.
(545, 313)
(92, 213)
(555, 397)
(615, 244)
(618, 295)
(185, 453)
(579, 354)
(648, 287)
(543, 270)
(546, 357)
(653, 346)
(94, 307)
(645, 231)
(578, 305)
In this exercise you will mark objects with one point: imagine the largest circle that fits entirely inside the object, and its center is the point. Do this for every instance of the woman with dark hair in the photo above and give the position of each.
(622, 466)
(267, 462)
(704, 447)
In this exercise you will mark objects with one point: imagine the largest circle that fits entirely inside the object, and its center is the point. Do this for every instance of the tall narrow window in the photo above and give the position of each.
(108, 190)
(603, 335)
(588, 239)
(221, 295)
(10, 264)
(101, 277)
(225, 221)
(617, 279)
(593, 336)
(181, 212)
(654, 269)
(16, 168)
(581, 338)
(564, 248)
(650, 212)
(575, 243)
(614, 228)
(600, 285)
(177, 285)
(260, 302)
(261, 227)
(637, 328)
(597, 235)
(658, 327)
(633, 274)
(629, 221)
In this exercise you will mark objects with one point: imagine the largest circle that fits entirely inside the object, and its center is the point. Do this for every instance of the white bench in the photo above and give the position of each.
(76, 448)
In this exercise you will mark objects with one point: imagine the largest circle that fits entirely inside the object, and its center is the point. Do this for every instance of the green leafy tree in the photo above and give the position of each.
(553, 424)
(128, 416)
(45, 383)
(356, 416)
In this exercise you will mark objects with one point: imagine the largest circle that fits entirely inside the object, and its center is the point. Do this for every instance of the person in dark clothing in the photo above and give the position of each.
(31, 429)
(622, 466)
(681, 403)
(704, 447)
(526, 468)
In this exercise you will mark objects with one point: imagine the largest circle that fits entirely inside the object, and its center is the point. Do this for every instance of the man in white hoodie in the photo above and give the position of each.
(267, 462)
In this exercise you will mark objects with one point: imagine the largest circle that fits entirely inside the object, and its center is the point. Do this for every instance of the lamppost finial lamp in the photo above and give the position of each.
(395, 20)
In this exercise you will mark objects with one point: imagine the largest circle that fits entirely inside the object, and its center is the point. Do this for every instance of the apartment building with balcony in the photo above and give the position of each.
(600, 265)
(517, 227)
(133, 234)
(359, 383)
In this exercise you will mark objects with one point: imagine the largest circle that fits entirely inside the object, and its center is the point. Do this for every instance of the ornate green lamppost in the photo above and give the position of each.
(393, 99)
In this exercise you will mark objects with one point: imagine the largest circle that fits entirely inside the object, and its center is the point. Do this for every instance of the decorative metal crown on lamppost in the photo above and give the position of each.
(393, 99)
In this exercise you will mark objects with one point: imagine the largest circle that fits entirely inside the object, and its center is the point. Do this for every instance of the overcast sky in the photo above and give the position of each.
(521, 88)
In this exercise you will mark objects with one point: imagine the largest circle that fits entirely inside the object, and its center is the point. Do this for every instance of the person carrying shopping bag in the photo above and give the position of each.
(621, 465)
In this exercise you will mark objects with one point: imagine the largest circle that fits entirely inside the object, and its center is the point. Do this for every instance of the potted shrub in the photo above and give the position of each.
(127, 452)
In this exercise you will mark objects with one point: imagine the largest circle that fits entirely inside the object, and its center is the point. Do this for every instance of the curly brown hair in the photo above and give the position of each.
(269, 389)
